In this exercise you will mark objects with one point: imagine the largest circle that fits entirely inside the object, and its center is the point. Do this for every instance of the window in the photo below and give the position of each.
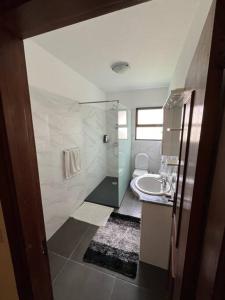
(122, 125)
(149, 123)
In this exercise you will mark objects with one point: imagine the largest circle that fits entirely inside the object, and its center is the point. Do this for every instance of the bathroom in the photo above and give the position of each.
(100, 117)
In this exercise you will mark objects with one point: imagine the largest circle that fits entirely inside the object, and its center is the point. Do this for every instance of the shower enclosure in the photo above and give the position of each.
(61, 123)
(109, 160)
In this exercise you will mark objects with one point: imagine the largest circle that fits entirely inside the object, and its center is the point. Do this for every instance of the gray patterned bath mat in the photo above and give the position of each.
(116, 245)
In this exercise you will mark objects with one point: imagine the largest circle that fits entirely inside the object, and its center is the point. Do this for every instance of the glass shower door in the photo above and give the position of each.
(124, 139)
(112, 152)
(100, 152)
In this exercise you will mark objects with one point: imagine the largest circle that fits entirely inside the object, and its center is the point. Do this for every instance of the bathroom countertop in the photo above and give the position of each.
(159, 200)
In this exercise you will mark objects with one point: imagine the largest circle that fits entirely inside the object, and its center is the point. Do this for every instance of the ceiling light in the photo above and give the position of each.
(120, 67)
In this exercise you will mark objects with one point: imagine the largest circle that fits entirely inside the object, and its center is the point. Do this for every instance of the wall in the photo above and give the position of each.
(95, 161)
(143, 98)
(47, 72)
(60, 123)
(190, 45)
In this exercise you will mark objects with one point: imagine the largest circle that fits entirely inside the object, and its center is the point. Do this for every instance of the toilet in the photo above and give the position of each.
(141, 164)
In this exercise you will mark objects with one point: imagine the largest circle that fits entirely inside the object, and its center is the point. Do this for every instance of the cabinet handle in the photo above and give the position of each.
(173, 129)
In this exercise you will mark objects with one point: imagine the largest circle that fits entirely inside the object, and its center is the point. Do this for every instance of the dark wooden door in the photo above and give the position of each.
(205, 77)
(219, 284)
(181, 179)
(6, 5)
(211, 281)
(184, 147)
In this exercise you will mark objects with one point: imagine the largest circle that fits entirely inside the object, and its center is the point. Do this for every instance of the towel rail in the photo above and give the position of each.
(72, 148)
(91, 102)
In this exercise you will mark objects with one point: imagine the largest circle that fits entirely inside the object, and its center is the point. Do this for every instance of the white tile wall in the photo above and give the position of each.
(61, 123)
(152, 148)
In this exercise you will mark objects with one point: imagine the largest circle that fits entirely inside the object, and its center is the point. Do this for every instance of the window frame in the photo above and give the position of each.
(146, 125)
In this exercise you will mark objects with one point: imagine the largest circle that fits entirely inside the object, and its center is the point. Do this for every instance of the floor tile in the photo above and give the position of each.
(67, 237)
(130, 205)
(78, 282)
(76, 279)
(149, 277)
(124, 290)
(80, 250)
(56, 264)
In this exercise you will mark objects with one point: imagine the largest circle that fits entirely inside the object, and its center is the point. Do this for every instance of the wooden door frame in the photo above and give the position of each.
(20, 188)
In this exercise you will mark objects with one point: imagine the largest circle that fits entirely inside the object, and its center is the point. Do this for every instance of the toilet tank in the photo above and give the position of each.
(141, 161)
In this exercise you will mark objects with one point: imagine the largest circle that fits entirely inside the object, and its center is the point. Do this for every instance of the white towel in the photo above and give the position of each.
(72, 163)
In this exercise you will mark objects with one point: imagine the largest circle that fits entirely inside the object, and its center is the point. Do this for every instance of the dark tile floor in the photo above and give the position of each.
(74, 279)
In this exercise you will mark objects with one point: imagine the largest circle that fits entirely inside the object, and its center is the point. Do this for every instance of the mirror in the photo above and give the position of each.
(172, 124)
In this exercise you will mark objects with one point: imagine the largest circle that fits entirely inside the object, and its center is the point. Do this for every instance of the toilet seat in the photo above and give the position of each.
(139, 172)
(141, 164)
(141, 161)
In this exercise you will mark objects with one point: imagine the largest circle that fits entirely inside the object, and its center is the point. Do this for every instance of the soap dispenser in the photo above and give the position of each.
(105, 138)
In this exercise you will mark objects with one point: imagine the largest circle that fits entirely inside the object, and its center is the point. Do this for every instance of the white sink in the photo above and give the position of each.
(152, 185)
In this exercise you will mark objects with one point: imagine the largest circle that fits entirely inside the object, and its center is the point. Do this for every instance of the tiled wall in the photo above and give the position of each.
(94, 127)
(152, 148)
(61, 123)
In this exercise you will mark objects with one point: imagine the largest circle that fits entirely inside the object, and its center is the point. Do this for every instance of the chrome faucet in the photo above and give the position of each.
(164, 181)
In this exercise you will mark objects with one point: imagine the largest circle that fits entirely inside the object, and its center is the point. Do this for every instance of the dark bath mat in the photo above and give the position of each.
(116, 245)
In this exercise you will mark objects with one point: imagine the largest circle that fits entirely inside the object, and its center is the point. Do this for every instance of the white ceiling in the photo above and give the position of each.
(149, 36)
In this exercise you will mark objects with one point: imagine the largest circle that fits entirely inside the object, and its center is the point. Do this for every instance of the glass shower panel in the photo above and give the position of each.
(124, 138)
(112, 151)
(100, 152)
(112, 145)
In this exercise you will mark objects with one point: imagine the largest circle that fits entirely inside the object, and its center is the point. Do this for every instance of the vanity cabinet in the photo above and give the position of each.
(155, 234)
